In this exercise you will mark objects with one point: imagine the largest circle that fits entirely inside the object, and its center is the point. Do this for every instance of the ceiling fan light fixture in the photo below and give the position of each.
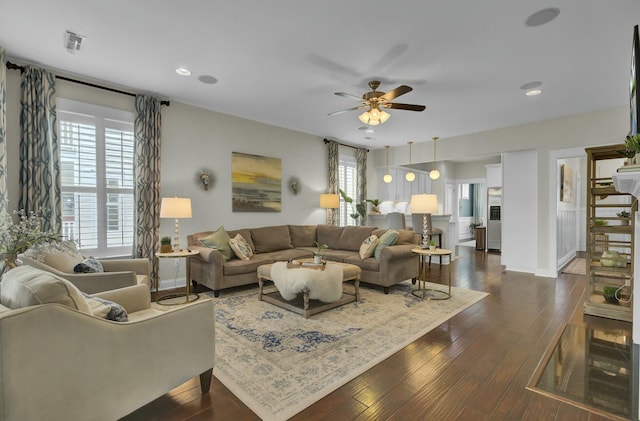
(410, 176)
(387, 177)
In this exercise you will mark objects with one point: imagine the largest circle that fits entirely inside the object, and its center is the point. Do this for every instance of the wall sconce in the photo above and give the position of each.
(294, 185)
(205, 178)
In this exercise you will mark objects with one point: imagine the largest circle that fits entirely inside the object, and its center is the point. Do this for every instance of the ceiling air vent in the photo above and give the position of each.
(73, 41)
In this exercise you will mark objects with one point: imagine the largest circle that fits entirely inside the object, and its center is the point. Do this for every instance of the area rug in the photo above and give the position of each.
(578, 266)
(278, 363)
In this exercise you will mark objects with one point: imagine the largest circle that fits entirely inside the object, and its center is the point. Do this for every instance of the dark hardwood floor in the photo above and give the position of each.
(473, 367)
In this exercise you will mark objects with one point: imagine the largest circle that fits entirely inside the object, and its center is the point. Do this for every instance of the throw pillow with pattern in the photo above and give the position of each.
(106, 309)
(368, 246)
(88, 265)
(240, 247)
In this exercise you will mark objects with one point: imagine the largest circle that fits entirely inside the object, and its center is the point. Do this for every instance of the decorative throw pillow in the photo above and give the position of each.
(387, 239)
(106, 309)
(26, 286)
(88, 265)
(218, 240)
(240, 247)
(368, 246)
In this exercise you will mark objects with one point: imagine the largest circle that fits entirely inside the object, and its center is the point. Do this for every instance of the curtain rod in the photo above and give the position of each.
(13, 66)
(344, 144)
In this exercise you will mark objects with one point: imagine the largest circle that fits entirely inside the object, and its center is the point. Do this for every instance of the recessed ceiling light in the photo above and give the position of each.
(542, 17)
(533, 92)
(183, 71)
(209, 80)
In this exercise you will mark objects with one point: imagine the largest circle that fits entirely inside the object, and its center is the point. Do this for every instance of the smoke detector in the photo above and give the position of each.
(73, 41)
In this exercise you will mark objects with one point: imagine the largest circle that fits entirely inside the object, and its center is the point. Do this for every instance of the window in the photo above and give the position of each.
(96, 165)
(347, 181)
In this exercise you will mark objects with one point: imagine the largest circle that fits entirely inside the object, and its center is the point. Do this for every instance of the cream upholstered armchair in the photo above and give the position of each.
(117, 273)
(61, 360)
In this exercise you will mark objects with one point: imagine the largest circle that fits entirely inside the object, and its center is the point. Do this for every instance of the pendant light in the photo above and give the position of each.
(387, 177)
(410, 176)
(434, 174)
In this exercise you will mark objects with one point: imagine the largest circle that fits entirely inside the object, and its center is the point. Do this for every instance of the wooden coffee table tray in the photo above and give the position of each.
(302, 304)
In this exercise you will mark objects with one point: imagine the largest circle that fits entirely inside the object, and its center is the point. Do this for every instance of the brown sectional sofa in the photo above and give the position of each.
(281, 243)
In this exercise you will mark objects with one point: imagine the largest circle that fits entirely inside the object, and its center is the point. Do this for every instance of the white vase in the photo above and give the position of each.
(317, 259)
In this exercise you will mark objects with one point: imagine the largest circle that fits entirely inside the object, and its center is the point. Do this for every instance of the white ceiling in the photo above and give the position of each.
(280, 61)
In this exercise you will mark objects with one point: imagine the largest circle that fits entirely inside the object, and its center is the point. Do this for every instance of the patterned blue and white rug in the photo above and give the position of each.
(278, 362)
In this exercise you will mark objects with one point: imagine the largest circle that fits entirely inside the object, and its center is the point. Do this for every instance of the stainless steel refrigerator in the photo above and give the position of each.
(494, 223)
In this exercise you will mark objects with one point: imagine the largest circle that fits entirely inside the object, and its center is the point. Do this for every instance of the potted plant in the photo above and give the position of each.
(432, 245)
(626, 215)
(165, 245)
(374, 205)
(317, 255)
(609, 293)
(632, 146)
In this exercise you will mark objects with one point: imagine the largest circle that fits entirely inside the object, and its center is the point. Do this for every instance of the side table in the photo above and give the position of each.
(422, 291)
(180, 254)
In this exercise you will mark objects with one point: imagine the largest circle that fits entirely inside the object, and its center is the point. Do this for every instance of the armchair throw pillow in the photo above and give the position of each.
(89, 265)
(106, 309)
(26, 286)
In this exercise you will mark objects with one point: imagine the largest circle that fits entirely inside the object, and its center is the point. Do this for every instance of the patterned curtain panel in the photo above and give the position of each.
(361, 182)
(147, 173)
(4, 197)
(39, 155)
(332, 185)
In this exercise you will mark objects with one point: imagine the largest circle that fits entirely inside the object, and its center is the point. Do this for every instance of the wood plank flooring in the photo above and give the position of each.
(473, 367)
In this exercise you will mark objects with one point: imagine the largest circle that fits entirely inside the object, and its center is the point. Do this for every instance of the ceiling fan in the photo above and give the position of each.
(374, 100)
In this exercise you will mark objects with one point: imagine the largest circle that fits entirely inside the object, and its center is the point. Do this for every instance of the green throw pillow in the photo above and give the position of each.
(218, 240)
(387, 239)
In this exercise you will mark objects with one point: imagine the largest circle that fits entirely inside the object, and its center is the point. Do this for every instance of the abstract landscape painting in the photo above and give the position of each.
(256, 183)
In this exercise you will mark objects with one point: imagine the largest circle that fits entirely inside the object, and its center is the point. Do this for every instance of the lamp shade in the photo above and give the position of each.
(424, 203)
(329, 201)
(175, 207)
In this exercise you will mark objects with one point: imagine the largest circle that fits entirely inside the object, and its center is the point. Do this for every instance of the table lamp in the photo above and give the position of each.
(424, 204)
(329, 201)
(175, 207)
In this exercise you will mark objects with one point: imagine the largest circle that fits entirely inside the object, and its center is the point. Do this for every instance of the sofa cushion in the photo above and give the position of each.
(218, 240)
(106, 309)
(352, 237)
(240, 247)
(368, 246)
(284, 255)
(329, 235)
(239, 267)
(268, 239)
(338, 255)
(405, 236)
(26, 286)
(369, 264)
(302, 235)
(387, 239)
(89, 265)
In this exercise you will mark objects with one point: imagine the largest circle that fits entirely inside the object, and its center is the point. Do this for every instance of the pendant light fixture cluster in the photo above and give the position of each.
(434, 174)
(387, 177)
(410, 176)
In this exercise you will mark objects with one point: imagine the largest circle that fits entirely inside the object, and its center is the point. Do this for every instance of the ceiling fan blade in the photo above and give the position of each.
(346, 95)
(400, 90)
(344, 111)
(410, 107)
